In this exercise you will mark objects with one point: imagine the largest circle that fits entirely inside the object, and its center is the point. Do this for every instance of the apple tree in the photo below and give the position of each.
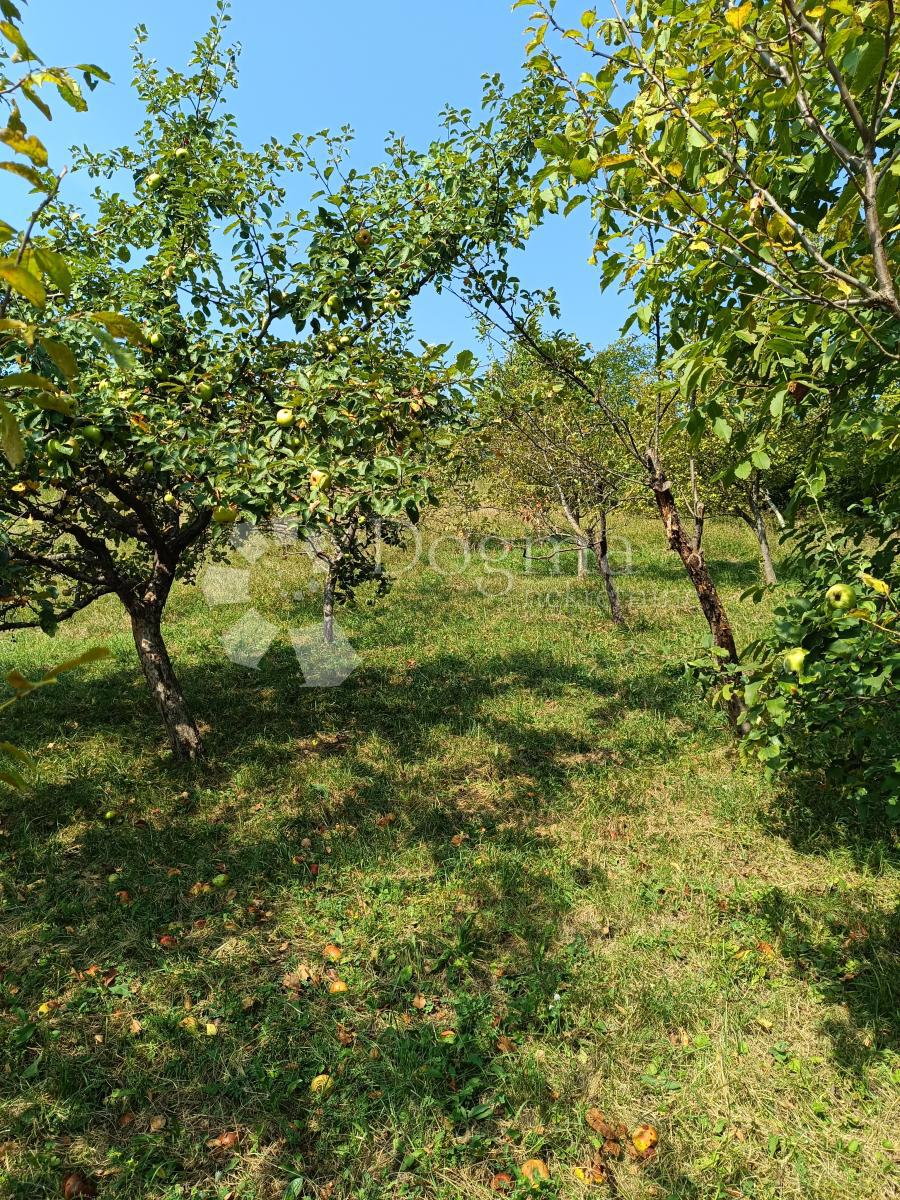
(757, 493)
(29, 269)
(500, 301)
(550, 457)
(743, 171)
(269, 372)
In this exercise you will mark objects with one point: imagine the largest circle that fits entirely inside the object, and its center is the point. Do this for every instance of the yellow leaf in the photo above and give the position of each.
(23, 282)
(877, 585)
(614, 160)
(780, 229)
(738, 17)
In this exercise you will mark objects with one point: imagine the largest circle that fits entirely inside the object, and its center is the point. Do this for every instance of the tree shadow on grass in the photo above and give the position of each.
(310, 803)
(845, 945)
(848, 951)
(815, 820)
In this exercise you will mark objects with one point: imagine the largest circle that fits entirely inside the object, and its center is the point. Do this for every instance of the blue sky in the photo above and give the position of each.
(311, 64)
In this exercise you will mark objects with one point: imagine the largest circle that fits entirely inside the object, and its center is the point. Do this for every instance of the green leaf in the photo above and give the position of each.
(67, 88)
(16, 752)
(122, 357)
(95, 654)
(54, 266)
(92, 73)
(51, 402)
(23, 282)
(17, 680)
(761, 460)
(645, 317)
(12, 34)
(816, 483)
(11, 437)
(31, 95)
(21, 329)
(743, 470)
(583, 169)
(722, 429)
(27, 379)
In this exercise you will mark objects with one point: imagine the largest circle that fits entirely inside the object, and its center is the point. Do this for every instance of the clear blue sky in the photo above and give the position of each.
(311, 64)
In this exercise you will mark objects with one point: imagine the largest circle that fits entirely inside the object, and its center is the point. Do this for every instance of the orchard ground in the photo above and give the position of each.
(524, 844)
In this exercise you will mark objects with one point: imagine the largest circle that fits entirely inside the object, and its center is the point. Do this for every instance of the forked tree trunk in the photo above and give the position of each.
(601, 553)
(184, 736)
(694, 564)
(328, 608)
(759, 528)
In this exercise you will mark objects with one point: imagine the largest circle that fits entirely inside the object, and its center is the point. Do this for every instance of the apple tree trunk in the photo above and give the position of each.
(759, 528)
(601, 553)
(328, 607)
(184, 736)
(694, 564)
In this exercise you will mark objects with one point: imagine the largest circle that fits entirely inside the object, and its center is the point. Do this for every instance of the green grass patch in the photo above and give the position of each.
(523, 843)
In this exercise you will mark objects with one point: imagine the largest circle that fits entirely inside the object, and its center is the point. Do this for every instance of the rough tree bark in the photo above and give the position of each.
(145, 607)
(582, 559)
(146, 626)
(694, 562)
(601, 553)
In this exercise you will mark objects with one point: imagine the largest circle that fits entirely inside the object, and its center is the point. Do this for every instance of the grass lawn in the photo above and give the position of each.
(525, 846)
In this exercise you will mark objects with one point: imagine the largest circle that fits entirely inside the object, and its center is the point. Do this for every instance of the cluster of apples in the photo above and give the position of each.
(840, 598)
(157, 178)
